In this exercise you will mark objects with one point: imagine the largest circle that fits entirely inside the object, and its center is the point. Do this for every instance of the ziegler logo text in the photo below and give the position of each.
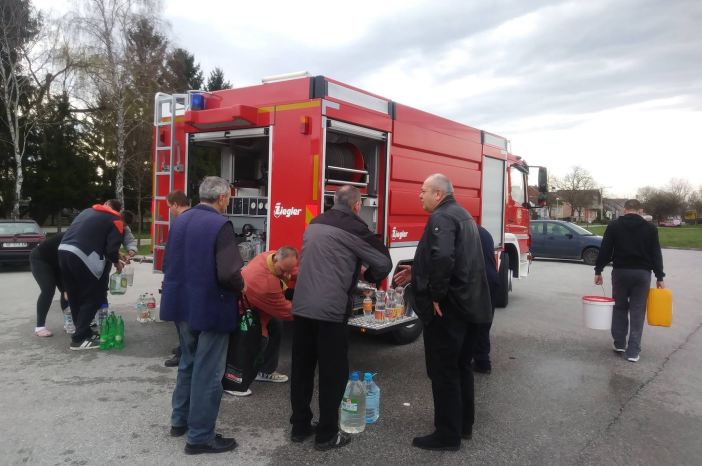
(398, 234)
(280, 211)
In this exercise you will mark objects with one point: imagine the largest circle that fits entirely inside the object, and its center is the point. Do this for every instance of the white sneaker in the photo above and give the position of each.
(235, 393)
(633, 358)
(274, 377)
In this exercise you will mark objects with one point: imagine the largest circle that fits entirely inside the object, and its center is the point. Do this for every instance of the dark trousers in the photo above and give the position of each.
(270, 354)
(324, 343)
(482, 340)
(85, 293)
(48, 280)
(448, 347)
(630, 292)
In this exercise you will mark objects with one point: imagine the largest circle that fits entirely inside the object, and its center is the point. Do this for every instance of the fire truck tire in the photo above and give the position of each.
(590, 255)
(502, 298)
(407, 333)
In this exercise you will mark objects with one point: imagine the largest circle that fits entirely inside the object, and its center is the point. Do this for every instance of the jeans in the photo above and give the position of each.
(198, 389)
(630, 292)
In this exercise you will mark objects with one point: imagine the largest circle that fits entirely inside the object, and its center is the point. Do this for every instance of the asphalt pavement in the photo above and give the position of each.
(558, 394)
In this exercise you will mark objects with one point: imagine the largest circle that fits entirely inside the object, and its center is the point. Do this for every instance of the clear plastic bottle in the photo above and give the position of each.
(142, 311)
(372, 399)
(379, 305)
(68, 324)
(367, 307)
(352, 412)
(102, 313)
(151, 307)
(390, 305)
(399, 302)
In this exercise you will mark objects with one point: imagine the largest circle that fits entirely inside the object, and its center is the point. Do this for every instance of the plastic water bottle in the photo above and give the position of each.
(102, 313)
(352, 412)
(151, 306)
(111, 330)
(379, 313)
(142, 310)
(68, 324)
(372, 399)
(103, 334)
(119, 333)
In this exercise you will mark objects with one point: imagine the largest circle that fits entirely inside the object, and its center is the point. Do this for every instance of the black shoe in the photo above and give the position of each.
(301, 436)
(89, 344)
(178, 431)
(467, 434)
(172, 362)
(218, 445)
(432, 442)
(175, 350)
(482, 367)
(339, 440)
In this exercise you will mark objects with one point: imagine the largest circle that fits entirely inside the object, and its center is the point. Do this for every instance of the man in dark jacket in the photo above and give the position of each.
(450, 294)
(631, 243)
(335, 246)
(87, 251)
(201, 286)
(481, 356)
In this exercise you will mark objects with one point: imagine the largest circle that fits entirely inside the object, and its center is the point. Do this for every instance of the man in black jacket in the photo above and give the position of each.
(450, 294)
(631, 243)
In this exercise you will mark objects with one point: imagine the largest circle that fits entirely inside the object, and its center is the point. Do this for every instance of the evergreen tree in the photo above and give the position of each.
(216, 82)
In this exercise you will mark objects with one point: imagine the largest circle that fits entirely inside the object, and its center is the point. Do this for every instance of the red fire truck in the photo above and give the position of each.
(287, 144)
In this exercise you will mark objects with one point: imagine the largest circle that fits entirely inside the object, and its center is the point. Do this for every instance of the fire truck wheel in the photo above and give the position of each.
(407, 333)
(502, 298)
(590, 255)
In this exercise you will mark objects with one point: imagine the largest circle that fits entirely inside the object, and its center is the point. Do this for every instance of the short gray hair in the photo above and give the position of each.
(284, 252)
(440, 182)
(212, 187)
(347, 195)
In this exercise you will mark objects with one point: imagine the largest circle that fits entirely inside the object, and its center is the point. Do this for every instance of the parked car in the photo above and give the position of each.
(564, 240)
(17, 239)
(674, 221)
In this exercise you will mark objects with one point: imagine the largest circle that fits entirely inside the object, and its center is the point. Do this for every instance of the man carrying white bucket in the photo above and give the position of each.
(631, 244)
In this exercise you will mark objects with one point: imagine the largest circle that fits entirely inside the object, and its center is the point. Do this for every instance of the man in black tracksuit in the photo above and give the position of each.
(335, 246)
(450, 294)
(631, 243)
(88, 249)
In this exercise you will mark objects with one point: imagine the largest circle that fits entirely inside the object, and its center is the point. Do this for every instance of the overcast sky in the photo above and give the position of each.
(614, 86)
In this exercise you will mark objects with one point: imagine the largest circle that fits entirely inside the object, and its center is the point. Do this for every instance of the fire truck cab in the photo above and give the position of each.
(287, 144)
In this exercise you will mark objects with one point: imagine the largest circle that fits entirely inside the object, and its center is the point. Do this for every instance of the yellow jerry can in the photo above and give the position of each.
(660, 307)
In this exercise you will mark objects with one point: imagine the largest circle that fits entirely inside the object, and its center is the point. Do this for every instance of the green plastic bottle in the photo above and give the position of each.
(119, 334)
(103, 334)
(111, 330)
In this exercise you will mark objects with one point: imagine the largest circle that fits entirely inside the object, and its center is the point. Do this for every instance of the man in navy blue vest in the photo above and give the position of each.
(201, 285)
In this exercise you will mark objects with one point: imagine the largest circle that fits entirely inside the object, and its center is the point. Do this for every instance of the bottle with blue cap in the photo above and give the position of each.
(372, 399)
(352, 412)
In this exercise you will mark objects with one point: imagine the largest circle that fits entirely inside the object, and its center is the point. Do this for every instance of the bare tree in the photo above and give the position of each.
(105, 26)
(681, 190)
(30, 53)
(578, 189)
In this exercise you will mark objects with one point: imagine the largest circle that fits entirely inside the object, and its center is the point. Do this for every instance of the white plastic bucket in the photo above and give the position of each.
(597, 312)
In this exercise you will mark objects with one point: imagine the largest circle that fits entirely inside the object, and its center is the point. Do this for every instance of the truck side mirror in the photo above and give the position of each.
(543, 180)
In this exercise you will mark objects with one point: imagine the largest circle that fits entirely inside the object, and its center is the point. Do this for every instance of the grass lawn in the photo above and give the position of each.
(686, 236)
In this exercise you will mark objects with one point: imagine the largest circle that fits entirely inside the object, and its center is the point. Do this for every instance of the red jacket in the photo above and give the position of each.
(264, 289)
